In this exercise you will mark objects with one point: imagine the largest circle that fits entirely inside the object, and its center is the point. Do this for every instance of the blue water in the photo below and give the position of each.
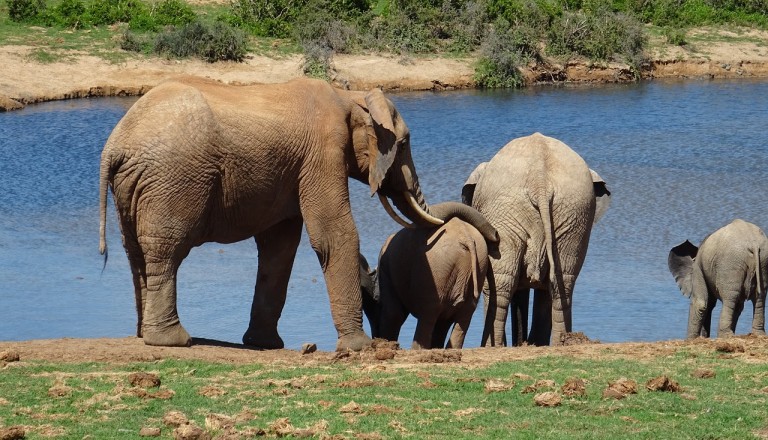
(681, 158)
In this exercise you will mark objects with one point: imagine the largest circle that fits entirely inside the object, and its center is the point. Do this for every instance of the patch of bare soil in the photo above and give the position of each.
(126, 350)
(23, 81)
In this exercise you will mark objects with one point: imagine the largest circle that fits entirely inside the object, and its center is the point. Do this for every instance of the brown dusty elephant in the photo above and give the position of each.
(196, 161)
(543, 199)
(731, 265)
(434, 274)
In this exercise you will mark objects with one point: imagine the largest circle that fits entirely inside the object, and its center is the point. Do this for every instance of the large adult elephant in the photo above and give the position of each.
(731, 265)
(434, 274)
(543, 199)
(196, 161)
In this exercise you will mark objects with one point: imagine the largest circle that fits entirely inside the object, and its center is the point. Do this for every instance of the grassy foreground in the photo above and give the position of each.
(711, 390)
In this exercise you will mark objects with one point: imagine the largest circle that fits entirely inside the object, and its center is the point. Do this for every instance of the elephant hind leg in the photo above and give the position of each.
(519, 310)
(729, 314)
(277, 251)
(139, 274)
(138, 271)
(161, 325)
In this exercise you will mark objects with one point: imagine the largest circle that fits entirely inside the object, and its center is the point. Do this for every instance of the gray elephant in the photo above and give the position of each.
(543, 199)
(196, 161)
(731, 265)
(434, 274)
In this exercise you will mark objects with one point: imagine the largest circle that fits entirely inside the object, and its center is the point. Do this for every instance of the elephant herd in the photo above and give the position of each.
(196, 161)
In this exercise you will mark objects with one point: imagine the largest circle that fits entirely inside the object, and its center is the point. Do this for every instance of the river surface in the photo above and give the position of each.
(681, 159)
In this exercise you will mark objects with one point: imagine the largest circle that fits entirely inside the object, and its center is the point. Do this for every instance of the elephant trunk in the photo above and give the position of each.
(448, 210)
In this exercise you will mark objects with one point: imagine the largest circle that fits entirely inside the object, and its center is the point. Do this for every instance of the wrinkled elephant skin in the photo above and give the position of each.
(543, 199)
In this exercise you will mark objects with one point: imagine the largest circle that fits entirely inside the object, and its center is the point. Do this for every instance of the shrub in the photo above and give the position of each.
(105, 12)
(218, 42)
(502, 57)
(132, 42)
(675, 36)
(224, 44)
(265, 18)
(601, 35)
(69, 13)
(26, 11)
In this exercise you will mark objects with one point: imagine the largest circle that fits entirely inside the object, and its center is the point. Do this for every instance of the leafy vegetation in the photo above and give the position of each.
(505, 34)
(693, 392)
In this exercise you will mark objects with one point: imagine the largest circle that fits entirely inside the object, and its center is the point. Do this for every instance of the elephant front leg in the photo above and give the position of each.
(541, 325)
(519, 311)
(277, 251)
(333, 236)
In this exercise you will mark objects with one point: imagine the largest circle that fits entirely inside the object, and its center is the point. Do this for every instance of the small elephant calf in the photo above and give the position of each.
(435, 274)
(732, 266)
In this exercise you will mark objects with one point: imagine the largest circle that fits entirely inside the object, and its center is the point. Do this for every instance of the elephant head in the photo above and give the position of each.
(383, 151)
(680, 262)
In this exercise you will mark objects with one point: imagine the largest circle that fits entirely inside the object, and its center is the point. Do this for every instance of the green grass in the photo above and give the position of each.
(383, 400)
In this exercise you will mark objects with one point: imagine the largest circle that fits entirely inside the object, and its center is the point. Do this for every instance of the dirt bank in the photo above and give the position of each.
(722, 54)
(125, 350)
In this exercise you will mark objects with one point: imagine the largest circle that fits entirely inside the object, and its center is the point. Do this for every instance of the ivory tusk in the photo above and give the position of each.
(419, 210)
(392, 213)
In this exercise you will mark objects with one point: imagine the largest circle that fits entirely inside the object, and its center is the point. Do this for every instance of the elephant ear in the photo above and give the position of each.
(382, 138)
(602, 195)
(468, 190)
(680, 262)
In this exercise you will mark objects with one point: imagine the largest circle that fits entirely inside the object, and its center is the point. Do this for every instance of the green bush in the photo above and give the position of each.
(218, 42)
(600, 35)
(675, 36)
(264, 18)
(26, 11)
(502, 57)
(69, 13)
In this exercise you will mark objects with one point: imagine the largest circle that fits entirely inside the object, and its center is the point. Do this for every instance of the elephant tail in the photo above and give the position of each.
(105, 176)
(758, 272)
(557, 289)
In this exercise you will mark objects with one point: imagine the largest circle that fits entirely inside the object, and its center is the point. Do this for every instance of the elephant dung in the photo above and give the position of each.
(144, 380)
(12, 433)
(9, 356)
(662, 383)
(620, 389)
(703, 373)
(729, 347)
(548, 399)
(574, 387)
(190, 432)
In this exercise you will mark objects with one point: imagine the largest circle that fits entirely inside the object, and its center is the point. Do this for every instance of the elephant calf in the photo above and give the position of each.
(434, 274)
(731, 266)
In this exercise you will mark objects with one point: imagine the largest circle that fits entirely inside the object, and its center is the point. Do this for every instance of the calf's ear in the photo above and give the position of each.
(602, 195)
(468, 190)
(680, 262)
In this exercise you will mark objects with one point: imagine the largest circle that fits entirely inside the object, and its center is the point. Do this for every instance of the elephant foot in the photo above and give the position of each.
(172, 336)
(262, 339)
(758, 332)
(353, 341)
